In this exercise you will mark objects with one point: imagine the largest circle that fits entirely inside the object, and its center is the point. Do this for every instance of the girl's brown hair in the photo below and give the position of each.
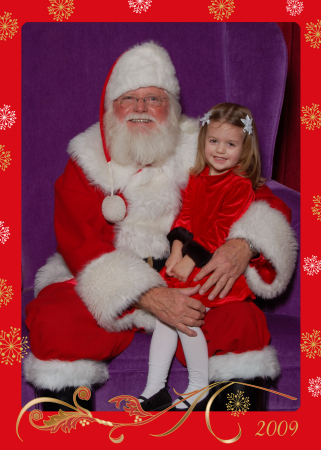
(249, 165)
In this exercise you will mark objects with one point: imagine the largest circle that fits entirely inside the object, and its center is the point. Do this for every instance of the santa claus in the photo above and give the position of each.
(115, 204)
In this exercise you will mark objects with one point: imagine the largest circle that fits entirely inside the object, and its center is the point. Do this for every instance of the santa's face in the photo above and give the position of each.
(142, 115)
(144, 133)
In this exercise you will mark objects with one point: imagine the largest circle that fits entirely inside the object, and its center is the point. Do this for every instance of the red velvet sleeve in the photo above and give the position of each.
(82, 232)
(265, 193)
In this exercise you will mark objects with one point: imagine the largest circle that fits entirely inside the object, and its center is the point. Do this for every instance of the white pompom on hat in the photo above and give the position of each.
(144, 65)
(113, 208)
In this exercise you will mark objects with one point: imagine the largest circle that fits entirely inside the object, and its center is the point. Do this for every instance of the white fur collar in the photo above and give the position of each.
(87, 150)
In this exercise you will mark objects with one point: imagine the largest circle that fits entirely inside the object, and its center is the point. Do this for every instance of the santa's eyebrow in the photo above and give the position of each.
(146, 95)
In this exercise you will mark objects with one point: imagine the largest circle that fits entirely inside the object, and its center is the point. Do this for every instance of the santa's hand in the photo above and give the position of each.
(175, 307)
(227, 264)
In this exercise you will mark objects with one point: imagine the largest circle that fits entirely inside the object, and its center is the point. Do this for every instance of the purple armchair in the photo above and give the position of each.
(63, 71)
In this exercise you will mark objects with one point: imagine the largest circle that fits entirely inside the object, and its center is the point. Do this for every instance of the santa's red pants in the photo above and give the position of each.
(61, 327)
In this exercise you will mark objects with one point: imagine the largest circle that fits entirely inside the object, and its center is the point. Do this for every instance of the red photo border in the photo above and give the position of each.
(261, 428)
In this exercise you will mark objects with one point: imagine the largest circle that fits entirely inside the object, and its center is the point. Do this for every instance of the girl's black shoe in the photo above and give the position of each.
(157, 402)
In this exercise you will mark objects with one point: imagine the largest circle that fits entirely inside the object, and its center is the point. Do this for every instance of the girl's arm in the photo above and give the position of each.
(180, 234)
(266, 226)
(174, 258)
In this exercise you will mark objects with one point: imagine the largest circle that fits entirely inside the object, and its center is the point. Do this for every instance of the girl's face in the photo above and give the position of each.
(223, 146)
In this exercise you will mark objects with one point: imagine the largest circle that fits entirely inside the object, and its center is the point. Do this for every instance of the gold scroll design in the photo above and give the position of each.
(68, 420)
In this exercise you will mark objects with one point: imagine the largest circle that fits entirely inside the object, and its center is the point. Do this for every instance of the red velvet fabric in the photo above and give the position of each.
(82, 232)
(234, 327)
(264, 193)
(61, 327)
(211, 205)
(72, 333)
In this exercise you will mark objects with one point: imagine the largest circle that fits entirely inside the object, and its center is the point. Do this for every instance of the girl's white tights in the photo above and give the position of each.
(162, 350)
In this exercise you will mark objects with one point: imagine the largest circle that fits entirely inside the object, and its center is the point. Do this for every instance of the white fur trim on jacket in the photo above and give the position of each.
(248, 365)
(144, 65)
(87, 151)
(112, 283)
(268, 230)
(54, 271)
(56, 375)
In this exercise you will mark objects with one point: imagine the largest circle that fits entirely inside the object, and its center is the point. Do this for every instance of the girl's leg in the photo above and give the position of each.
(161, 353)
(196, 354)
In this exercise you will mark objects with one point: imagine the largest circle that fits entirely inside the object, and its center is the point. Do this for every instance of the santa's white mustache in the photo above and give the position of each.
(141, 116)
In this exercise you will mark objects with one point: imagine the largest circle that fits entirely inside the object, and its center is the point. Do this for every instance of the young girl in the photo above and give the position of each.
(220, 189)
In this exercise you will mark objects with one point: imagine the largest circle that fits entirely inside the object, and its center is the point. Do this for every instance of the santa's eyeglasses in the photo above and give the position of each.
(128, 101)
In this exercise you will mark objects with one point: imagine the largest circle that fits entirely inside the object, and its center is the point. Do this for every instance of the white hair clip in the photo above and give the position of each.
(247, 124)
(206, 118)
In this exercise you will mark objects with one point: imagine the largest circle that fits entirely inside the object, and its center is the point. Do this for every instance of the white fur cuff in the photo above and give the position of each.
(112, 283)
(54, 271)
(56, 375)
(268, 230)
(248, 365)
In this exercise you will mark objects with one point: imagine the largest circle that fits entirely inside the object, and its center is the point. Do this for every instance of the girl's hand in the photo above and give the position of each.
(183, 269)
(171, 262)
(174, 258)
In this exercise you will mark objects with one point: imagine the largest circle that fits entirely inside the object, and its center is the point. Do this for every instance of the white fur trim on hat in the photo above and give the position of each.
(144, 65)
(268, 230)
(248, 365)
(56, 375)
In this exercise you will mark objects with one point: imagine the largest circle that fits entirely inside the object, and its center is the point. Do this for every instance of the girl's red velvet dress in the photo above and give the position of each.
(211, 205)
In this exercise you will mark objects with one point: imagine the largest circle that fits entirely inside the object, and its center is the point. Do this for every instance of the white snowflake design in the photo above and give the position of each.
(7, 117)
(312, 265)
(140, 5)
(294, 7)
(315, 387)
(4, 233)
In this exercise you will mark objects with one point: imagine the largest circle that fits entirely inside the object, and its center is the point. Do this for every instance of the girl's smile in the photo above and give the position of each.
(223, 146)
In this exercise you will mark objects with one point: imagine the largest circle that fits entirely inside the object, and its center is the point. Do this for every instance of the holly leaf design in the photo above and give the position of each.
(132, 405)
(65, 420)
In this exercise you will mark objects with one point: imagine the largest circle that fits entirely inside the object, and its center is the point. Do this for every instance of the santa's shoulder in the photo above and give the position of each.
(90, 139)
(187, 142)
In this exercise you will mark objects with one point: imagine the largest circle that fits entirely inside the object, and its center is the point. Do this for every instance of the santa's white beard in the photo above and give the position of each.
(143, 146)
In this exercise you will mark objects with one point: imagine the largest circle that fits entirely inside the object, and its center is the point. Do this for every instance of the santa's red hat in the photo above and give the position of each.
(144, 65)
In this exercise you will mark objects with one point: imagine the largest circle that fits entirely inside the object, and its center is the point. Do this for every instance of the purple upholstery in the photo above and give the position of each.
(64, 67)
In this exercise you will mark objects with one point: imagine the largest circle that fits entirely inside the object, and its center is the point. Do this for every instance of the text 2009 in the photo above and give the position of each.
(281, 429)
